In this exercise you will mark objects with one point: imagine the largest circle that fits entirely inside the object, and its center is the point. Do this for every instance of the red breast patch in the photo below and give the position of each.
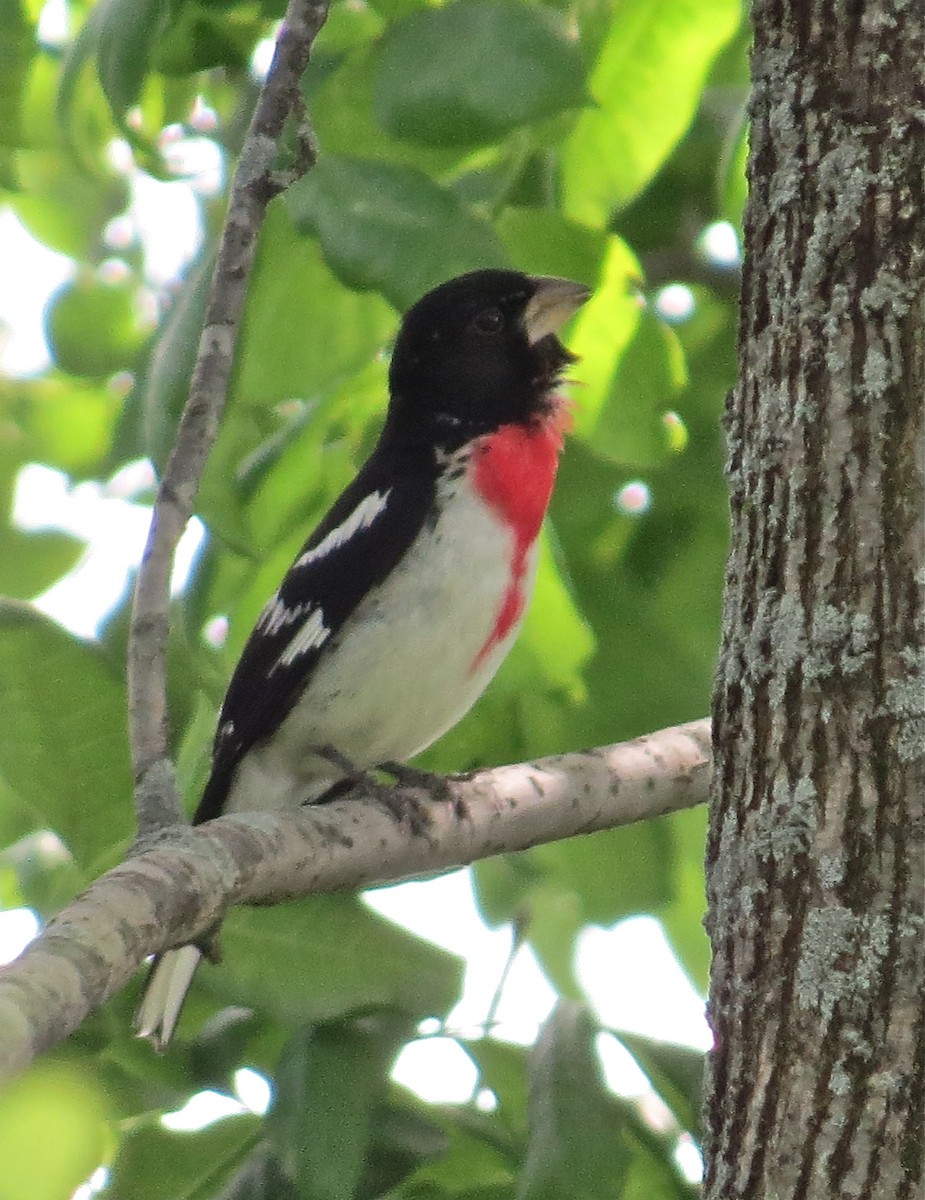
(513, 471)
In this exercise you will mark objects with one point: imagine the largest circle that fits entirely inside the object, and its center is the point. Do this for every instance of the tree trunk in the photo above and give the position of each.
(815, 853)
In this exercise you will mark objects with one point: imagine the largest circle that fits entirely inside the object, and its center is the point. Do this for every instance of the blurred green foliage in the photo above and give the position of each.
(591, 138)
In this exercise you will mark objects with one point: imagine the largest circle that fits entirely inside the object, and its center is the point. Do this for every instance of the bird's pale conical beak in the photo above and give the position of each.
(551, 305)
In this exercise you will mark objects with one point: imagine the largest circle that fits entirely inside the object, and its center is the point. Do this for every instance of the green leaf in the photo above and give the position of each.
(652, 1176)
(63, 741)
(303, 331)
(329, 955)
(201, 37)
(503, 1068)
(553, 919)
(330, 1079)
(80, 52)
(305, 391)
(162, 391)
(467, 74)
(733, 180)
(647, 83)
(64, 422)
(46, 875)
(69, 188)
(155, 1163)
(8, 180)
(676, 1073)
(554, 634)
(651, 585)
(683, 917)
(394, 9)
(53, 1132)
(652, 643)
(334, 434)
(136, 1085)
(17, 46)
(17, 821)
(613, 874)
(618, 872)
(261, 1178)
(389, 227)
(478, 1162)
(645, 384)
(575, 1149)
(542, 242)
(194, 754)
(501, 883)
(345, 28)
(62, 205)
(402, 1139)
(341, 104)
(602, 331)
(94, 327)
(32, 562)
(128, 32)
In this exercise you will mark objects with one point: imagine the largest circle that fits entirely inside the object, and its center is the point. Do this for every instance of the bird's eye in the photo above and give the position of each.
(489, 321)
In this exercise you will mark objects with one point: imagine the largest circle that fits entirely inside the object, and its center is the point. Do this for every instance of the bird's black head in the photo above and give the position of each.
(478, 352)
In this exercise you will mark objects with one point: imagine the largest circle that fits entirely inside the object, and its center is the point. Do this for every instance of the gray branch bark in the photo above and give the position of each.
(815, 852)
(256, 181)
(177, 890)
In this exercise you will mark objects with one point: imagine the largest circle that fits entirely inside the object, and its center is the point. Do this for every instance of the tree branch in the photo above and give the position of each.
(176, 891)
(255, 183)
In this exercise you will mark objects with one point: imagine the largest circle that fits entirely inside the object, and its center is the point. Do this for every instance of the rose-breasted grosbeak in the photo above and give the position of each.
(405, 600)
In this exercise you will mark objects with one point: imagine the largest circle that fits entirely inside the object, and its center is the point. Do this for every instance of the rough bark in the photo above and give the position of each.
(815, 852)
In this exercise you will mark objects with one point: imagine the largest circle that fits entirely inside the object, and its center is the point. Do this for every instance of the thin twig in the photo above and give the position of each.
(255, 183)
(177, 890)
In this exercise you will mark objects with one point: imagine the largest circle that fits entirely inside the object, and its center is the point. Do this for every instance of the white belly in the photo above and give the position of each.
(397, 687)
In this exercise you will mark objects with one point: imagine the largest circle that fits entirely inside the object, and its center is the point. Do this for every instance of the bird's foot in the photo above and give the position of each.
(353, 774)
(397, 802)
(413, 777)
(437, 787)
(404, 807)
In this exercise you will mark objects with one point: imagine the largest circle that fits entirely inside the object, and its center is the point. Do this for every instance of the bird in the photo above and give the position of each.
(405, 599)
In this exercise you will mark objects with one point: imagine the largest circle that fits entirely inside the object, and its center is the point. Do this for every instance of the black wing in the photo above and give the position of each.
(358, 543)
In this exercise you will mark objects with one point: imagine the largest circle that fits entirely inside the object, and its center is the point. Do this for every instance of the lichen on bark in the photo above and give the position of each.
(815, 854)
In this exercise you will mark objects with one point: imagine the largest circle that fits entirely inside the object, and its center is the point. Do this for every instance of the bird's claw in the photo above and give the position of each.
(401, 806)
(437, 787)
